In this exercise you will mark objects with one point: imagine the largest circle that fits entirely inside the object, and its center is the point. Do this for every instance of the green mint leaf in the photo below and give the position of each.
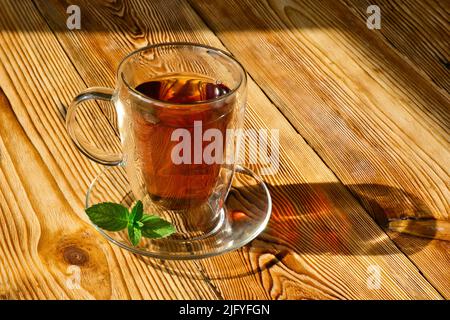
(108, 216)
(148, 217)
(137, 211)
(155, 227)
(134, 234)
(115, 217)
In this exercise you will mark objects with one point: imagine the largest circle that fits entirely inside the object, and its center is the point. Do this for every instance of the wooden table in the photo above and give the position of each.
(364, 129)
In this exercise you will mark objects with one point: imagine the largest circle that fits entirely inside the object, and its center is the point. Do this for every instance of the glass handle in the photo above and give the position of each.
(75, 133)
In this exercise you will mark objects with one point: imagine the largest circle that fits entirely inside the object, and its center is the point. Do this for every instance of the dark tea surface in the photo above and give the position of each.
(182, 89)
(185, 185)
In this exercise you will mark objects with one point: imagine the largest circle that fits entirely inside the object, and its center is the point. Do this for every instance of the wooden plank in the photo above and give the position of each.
(418, 30)
(317, 230)
(433, 229)
(44, 233)
(379, 124)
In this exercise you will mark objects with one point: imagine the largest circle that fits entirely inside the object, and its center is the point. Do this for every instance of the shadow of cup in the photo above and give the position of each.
(324, 218)
(313, 219)
(319, 218)
(398, 211)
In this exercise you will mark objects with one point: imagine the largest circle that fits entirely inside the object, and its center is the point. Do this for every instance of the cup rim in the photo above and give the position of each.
(133, 91)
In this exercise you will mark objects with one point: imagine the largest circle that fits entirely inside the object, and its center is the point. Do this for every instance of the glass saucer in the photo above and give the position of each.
(245, 214)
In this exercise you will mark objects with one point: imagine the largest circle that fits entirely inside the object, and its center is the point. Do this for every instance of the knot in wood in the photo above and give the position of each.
(75, 256)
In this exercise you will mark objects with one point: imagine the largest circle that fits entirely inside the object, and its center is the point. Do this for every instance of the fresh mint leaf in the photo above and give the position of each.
(115, 217)
(147, 217)
(108, 216)
(134, 234)
(155, 227)
(137, 211)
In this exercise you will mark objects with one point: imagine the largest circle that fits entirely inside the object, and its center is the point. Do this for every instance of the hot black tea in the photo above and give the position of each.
(190, 101)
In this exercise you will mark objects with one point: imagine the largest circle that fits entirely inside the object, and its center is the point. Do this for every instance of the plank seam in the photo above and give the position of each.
(207, 281)
(355, 196)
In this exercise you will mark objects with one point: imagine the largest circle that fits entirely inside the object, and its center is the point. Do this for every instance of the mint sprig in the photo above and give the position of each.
(108, 216)
(115, 217)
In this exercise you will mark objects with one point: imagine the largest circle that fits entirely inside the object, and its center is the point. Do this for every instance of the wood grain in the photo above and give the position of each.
(418, 31)
(317, 231)
(379, 123)
(272, 266)
(427, 228)
(43, 179)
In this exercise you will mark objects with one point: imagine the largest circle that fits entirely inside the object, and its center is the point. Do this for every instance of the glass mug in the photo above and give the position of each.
(179, 151)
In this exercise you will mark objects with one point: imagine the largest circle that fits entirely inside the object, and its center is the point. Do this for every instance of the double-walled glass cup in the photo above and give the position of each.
(179, 157)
